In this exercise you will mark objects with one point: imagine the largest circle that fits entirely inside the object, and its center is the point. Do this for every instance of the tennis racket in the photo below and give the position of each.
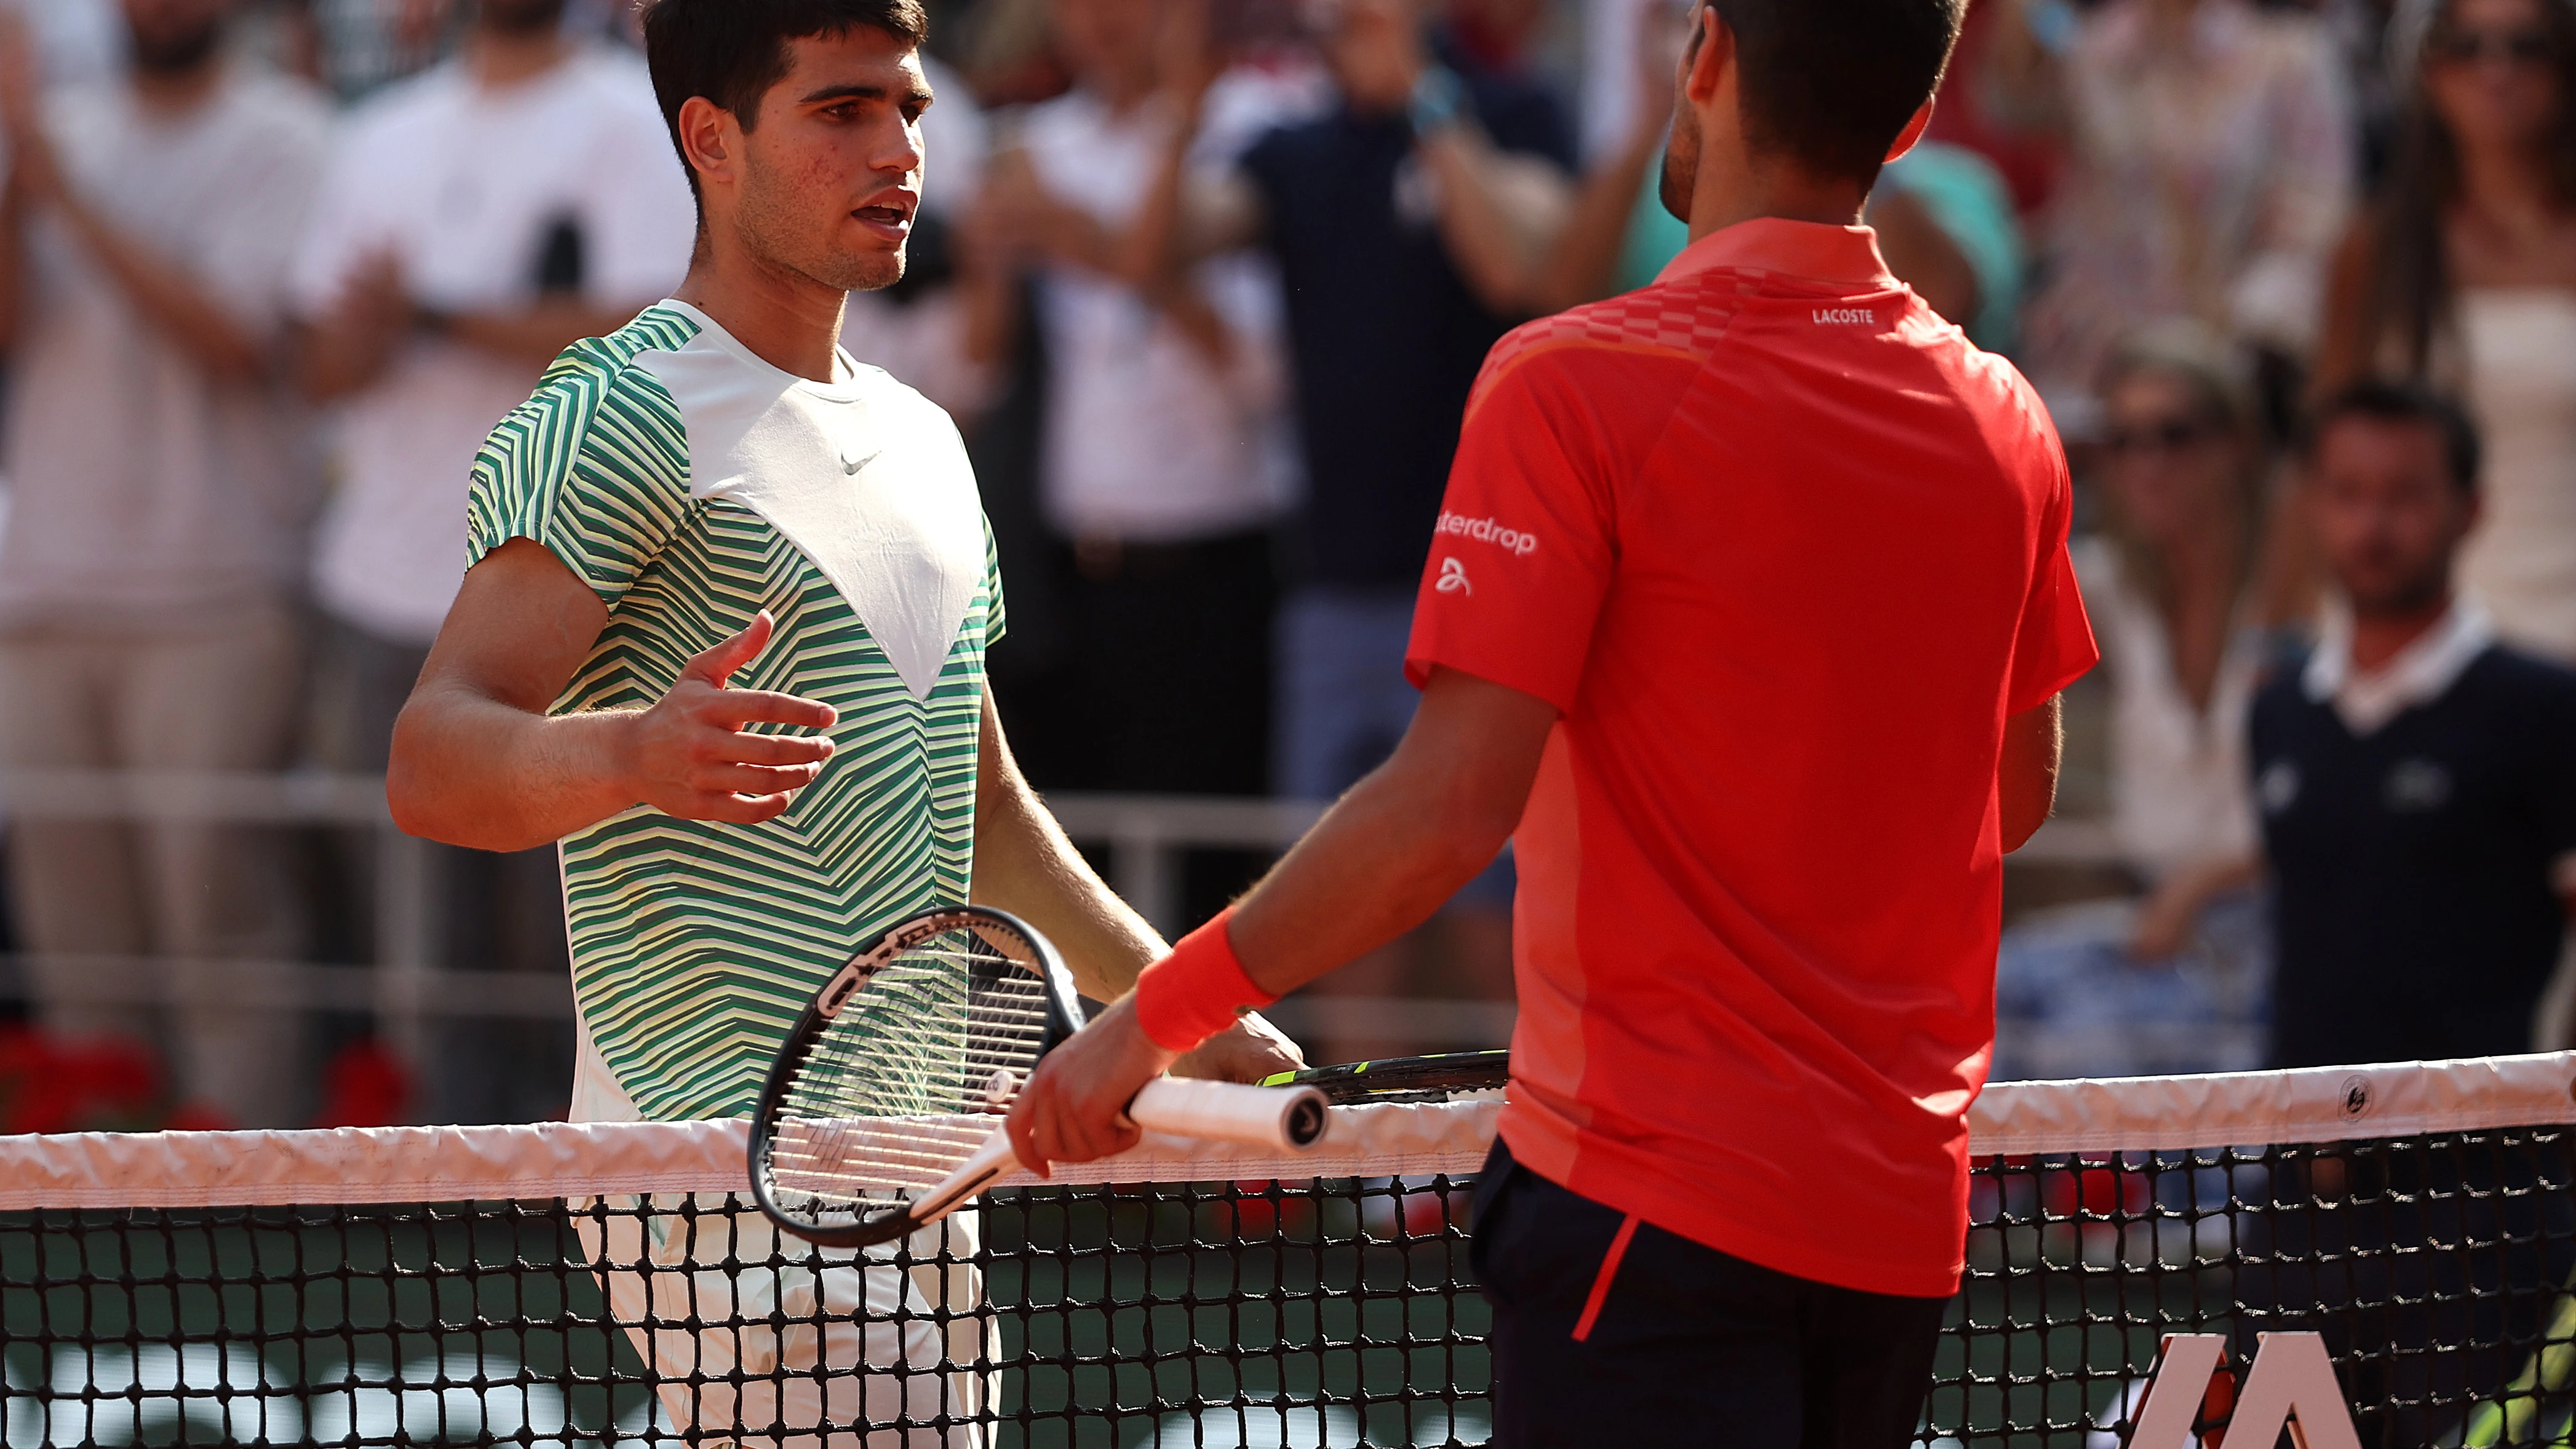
(901, 1068)
(1439, 1078)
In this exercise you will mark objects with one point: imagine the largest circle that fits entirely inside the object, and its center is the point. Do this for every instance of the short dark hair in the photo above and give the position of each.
(733, 51)
(1831, 83)
(2403, 402)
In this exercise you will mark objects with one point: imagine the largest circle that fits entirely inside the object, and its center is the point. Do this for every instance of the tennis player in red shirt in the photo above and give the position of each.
(1745, 620)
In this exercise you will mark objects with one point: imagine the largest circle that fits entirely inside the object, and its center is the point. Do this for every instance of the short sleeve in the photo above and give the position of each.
(594, 467)
(2054, 646)
(1522, 553)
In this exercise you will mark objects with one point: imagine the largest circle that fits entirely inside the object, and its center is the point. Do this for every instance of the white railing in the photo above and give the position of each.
(404, 987)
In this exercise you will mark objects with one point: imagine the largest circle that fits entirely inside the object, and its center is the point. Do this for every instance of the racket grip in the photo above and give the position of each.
(1290, 1119)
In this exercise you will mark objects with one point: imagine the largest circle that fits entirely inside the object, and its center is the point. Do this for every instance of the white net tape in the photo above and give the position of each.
(556, 1159)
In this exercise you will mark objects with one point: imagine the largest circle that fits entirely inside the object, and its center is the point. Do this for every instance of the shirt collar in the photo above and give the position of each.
(1845, 254)
(2418, 674)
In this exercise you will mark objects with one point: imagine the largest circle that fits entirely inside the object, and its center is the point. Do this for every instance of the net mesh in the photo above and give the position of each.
(1305, 1313)
(601, 1285)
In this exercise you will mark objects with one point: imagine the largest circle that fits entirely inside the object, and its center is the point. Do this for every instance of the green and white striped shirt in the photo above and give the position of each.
(691, 484)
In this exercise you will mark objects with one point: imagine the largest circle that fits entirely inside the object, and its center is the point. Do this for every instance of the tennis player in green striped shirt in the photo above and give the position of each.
(723, 638)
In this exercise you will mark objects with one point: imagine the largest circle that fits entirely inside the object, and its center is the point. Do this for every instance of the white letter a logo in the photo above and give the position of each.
(2292, 1384)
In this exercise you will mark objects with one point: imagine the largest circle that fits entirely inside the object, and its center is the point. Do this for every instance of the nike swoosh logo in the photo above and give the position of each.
(851, 466)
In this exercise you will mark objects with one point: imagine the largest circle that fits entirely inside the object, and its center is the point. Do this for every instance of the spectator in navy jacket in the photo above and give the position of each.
(2417, 780)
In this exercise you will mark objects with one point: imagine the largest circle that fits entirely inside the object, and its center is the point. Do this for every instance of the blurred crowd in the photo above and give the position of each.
(1206, 284)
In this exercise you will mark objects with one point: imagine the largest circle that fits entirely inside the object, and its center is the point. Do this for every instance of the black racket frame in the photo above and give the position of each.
(1405, 1079)
(1064, 1018)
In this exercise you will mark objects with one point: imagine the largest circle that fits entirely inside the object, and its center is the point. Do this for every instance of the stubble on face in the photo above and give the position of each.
(1681, 162)
(2389, 517)
(790, 228)
(2385, 576)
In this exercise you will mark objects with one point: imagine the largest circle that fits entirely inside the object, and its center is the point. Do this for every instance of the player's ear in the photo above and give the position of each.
(1913, 131)
(1710, 52)
(709, 138)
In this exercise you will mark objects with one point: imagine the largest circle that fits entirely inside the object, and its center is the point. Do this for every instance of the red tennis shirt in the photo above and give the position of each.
(1785, 551)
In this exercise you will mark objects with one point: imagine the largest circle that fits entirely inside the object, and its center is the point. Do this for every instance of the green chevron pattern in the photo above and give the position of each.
(695, 945)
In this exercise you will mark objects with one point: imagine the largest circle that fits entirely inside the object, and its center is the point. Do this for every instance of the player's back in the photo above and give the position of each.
(1786, 551)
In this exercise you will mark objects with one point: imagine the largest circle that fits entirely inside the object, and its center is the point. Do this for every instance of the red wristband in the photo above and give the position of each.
(1197, 991)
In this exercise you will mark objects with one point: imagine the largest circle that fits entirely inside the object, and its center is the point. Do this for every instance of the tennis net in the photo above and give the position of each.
(610, 1283)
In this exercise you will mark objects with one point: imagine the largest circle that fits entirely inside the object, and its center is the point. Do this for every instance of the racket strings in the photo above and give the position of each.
(947, 1028)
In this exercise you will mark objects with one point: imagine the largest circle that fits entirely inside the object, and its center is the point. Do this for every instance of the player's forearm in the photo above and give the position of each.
(1402, 842)
(1386, 857)
(1024, 864)
(470, 770)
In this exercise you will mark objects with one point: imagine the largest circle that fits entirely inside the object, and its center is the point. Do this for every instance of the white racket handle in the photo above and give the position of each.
(1288, 1119)
(992, 1160)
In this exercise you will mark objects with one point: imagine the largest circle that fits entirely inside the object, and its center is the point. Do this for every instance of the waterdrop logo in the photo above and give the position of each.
(1520, 544)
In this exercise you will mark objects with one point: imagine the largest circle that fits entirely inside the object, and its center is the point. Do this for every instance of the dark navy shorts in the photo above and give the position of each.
(1608, 1330)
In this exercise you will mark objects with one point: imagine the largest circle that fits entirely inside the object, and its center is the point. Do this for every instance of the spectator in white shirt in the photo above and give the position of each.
(1164, 458)
(159, 488)
(2175, 978)
(476, 219)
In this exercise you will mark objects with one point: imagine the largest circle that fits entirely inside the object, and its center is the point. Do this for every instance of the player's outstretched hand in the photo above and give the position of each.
(692, 756)
(1074, 1107)
(1251, 1050)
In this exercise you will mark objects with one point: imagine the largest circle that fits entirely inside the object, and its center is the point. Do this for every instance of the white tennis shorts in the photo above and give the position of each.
(769, 1357)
